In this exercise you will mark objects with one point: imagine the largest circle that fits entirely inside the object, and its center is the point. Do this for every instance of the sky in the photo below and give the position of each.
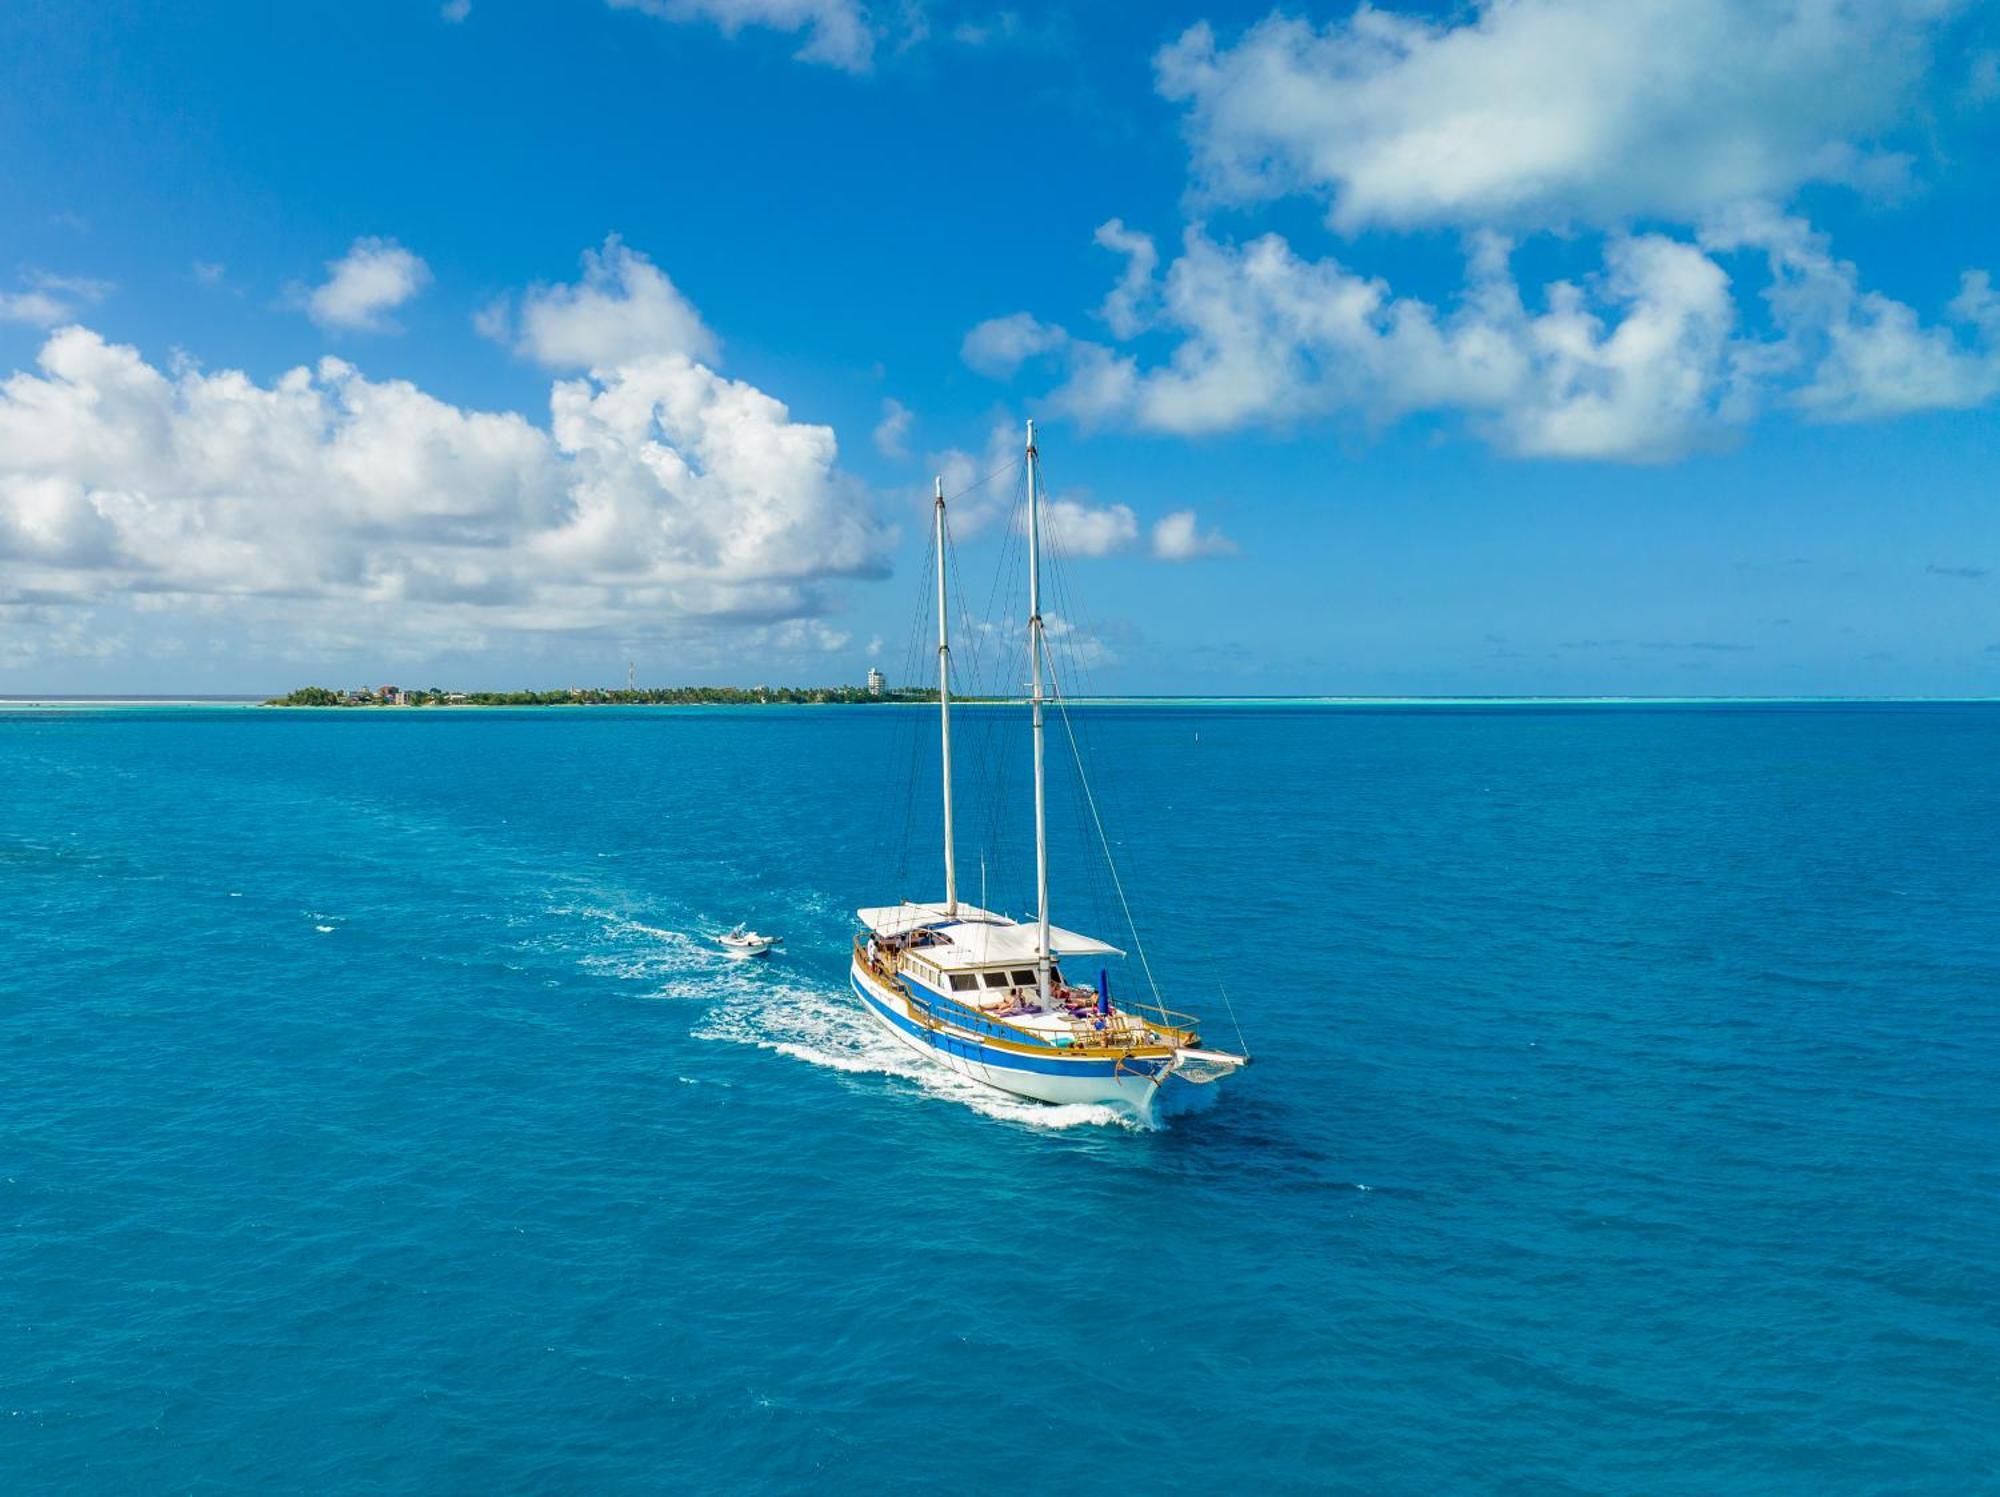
(1529, 346)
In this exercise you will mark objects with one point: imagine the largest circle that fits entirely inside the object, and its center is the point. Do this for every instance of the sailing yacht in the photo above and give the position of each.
(994, 998)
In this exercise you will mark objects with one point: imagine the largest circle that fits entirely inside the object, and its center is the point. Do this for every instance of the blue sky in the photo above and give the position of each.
(1545, 347)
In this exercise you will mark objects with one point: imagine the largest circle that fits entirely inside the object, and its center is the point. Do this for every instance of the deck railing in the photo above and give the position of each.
(1167, 1018)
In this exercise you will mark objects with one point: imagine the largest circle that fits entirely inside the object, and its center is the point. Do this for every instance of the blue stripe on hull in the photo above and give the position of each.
(1000, 1060)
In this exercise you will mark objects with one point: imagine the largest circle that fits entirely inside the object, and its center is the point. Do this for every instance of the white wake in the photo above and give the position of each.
(766, 1004)
(829, 1029)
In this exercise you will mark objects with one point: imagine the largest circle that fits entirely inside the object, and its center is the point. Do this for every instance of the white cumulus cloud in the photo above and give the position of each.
(49, 299)
(838, 33)
(1000, 345)
(892, 431)
(1075, 528)
(38, 308)
(1644, 361)
(361, 513)
(1530, 113)
(1671, 133)
(1123, 310)
(1664, 136)
(624, 308)
(365, 285)
(1851, 354)
(1179, 537)
(1263, 336)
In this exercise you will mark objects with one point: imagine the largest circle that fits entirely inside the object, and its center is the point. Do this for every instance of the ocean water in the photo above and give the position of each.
(375, 1115)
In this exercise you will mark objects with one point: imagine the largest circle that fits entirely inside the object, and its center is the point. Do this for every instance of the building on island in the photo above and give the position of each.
(875, 682)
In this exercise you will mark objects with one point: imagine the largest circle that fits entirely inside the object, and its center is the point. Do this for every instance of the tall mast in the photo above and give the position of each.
(944, 713)
(1035, 708)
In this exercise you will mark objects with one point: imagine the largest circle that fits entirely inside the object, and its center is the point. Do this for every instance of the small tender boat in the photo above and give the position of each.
(990, 997)
(743, 941)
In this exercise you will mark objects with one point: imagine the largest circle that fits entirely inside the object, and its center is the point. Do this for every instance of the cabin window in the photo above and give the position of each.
(1024, 979)
(963, 982)
(996, 979)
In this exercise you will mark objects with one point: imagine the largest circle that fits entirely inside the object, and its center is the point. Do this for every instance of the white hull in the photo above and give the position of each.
(1137, 1095)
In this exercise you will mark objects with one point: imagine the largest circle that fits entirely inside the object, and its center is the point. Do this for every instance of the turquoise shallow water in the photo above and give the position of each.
(375, 1118)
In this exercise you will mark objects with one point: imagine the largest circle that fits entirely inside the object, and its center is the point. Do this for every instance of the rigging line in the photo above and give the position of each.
(1073, 658)
(1075, 648)
(981, 725)
(1002, 658)
(1076, 654)
(1075, 667)
(1090, 874)
(1007, 544)
(913, 735)
(1059, 563)
(978, 652)
(974, 636)
(977, 631)
(1242, 1045)
(1139, 945)
(970, 666)
(981, 483)
(967, 671)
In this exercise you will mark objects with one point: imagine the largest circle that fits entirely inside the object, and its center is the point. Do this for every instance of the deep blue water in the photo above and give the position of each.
(374, 1118)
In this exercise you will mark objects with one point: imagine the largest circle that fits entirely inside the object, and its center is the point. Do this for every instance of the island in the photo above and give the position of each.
(601, 696)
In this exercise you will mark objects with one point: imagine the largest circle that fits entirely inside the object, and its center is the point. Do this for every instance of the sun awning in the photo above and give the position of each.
(986, 945)
(901, 919)
(976, 937)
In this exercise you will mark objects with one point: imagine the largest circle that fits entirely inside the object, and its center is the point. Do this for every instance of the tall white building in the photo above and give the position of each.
(875, 682)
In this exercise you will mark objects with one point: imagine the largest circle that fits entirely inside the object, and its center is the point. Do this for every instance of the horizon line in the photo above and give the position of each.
(222, 699)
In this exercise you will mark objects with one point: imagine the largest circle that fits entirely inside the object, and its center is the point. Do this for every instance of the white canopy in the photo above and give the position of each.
(901, 919)
(977, 938)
